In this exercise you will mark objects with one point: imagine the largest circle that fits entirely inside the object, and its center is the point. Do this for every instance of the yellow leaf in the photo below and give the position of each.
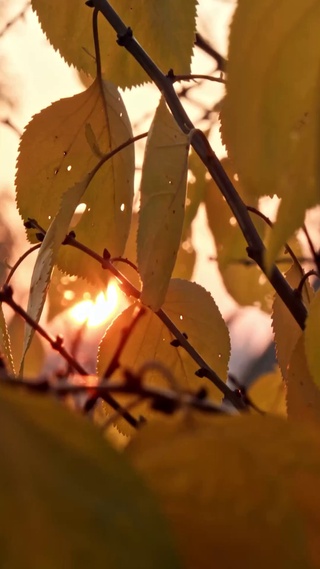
(239, 490)
(312, 339)
(72, 500)
(242, 278)
(156, 31)
(55, 155)
(5, 343)
(195, 313)
(268, 393)
(163, 194)
(34, 360)
(270, 114)
(303, 396)
(285, 328)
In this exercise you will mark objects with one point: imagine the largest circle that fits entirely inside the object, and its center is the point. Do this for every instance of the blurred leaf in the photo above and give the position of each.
(130, 253)
(303, 396)
(268, 43)
(268, 393)
(195, 191)
(185, 260)
(5, 343)
(242, 278)
(163, 195)
(67, 498)
(195, 313)
(156, 31)
(65, 291)
(236, 488)
(285, 328)
(55, 156)
(34, 359)
(312, 339)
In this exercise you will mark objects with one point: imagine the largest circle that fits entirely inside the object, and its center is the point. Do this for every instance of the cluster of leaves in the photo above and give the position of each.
(250, 480)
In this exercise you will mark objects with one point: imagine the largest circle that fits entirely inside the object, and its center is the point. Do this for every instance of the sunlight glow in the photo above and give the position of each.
(96, 312)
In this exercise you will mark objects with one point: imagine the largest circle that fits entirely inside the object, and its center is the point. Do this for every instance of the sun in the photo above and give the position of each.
(96, 312)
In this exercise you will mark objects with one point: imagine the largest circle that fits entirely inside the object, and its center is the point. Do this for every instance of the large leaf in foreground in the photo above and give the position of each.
(312, 339)
(245, 488)
(286, 330)
(154, 24)
(163, 195)
(271, 111)
(59, 148)
(67, 498)
(194, 312)
(303, 396)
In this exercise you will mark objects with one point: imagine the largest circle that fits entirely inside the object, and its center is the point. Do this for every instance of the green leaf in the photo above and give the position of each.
(5, 343)
(270, 114)
(285, 328)
(195, 313)
(163, 194)
(303, 396)
(67, 498)
(55, 155)
(312, 340)
(236, 488)
(154, 25)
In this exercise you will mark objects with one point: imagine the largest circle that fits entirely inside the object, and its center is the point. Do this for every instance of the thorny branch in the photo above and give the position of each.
(202, 147)
(130, 291)
(164, 400)
(6, 296)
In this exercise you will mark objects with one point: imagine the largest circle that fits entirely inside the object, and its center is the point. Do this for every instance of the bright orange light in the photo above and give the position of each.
(95, 312)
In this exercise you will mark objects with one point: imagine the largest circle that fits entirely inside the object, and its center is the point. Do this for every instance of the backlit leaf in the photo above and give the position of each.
(55, 155)
(268, 393)
(312, 339)
(242, 278)
(48, 253)
(303, 396)
(156, 31)
(195, 313)
(5, 344)
(163, 194)
(270, 114)
(65, 291)
(34, 360)
(236, 488)
(67, 498)
(285, 328)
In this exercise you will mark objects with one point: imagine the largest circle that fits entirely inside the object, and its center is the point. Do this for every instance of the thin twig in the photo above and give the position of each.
(129, 290)
(15, 19)
(9, 123)
(204, 45)
(314, 253)
(19, 261)
(164, 398)
(304, 279)
(125, 335)
(194, 77)
(57, 345)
